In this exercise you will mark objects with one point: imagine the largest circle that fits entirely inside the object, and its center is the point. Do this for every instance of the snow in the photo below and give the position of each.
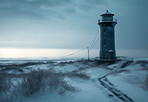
(96, 72)
(129, 80)
(134, 67)
(133, 91)
(89, 92)
(38, 67)
(116, 65)
(18, 61)
(64, 69)
(141, 59)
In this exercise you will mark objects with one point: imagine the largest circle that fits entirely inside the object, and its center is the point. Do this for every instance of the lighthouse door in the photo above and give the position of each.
(110, 54)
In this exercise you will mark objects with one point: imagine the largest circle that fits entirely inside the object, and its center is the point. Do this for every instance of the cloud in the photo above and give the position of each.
(44, 8)
(33, 8)
(70, 23)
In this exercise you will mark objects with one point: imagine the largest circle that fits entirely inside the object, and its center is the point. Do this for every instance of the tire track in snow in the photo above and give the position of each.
(108, 85)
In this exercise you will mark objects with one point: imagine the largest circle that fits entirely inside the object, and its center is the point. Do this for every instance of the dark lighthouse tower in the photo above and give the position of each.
(107, 38)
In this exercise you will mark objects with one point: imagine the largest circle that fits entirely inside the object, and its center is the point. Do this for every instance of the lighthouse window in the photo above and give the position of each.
(104, 41)
(104, 30)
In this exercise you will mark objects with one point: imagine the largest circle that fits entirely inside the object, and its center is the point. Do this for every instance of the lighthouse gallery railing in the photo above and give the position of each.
(107, 20)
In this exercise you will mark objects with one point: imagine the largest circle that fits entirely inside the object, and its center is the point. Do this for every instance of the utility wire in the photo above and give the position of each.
(72, 53)
(94, 41)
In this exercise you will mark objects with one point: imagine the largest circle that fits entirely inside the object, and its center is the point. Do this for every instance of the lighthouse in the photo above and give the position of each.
(107, 37)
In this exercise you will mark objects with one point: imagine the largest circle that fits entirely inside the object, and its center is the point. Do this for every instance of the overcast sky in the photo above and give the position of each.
(71, 24)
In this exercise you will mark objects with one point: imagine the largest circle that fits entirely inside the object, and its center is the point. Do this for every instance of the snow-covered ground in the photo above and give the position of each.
(132, 80)
(93, 81)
